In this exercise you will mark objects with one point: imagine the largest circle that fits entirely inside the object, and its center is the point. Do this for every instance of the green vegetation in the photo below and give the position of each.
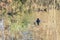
(22, 12)
(19, 16)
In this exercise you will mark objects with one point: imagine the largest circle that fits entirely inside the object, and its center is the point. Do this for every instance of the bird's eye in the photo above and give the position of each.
(45, 10)
(9, 13)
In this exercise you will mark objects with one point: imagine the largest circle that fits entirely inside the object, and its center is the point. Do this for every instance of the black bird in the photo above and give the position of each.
(10, 14)
(37, 21)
